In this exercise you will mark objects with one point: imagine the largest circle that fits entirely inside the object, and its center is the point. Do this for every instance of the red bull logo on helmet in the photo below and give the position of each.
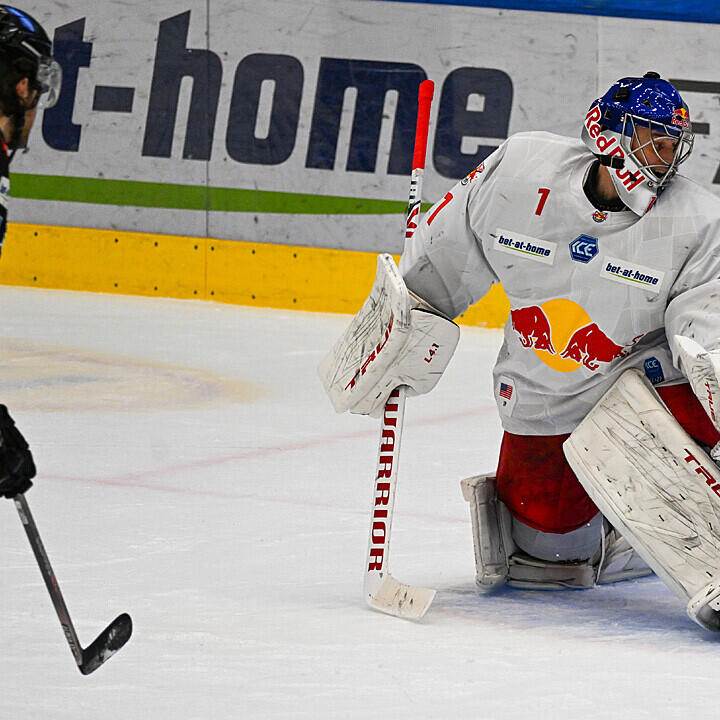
(681, 117)
(564, 337)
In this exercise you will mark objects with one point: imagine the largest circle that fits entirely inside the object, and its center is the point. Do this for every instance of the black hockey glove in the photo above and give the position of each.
(16, 460)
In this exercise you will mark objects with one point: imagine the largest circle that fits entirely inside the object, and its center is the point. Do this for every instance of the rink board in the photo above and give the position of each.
(254, 274)
(289, 123)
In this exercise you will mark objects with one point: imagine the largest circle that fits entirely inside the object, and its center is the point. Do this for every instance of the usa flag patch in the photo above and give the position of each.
(506, 394)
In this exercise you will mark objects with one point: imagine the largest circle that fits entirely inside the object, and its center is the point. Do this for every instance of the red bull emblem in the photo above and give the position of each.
(473, 174)
(590, 346)
(599, 216)
(681, 117)
(533, 327)
(564, 324)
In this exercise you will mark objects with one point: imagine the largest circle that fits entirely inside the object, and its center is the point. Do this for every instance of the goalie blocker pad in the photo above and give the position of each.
(657, 487)
(395, 339)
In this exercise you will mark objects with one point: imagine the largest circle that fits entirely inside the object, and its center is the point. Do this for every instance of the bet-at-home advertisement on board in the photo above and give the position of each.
(293, 121)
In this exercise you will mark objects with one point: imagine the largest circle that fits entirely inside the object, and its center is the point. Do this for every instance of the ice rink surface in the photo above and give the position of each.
(193, 473)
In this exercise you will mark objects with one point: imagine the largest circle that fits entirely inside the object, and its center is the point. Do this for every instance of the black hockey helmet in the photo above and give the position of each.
(26, 51)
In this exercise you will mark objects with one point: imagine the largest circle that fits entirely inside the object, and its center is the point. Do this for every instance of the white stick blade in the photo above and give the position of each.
(404, 601)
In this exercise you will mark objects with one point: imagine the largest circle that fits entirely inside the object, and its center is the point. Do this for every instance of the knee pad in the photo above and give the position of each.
(573, 546)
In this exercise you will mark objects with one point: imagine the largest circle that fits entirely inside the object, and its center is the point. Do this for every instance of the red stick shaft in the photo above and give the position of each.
(425, 96)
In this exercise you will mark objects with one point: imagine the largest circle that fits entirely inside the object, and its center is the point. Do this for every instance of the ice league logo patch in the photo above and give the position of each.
(653, 370)
(583, 248)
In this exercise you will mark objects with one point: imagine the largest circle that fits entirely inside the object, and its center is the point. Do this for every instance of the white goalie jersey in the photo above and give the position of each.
(591, 293)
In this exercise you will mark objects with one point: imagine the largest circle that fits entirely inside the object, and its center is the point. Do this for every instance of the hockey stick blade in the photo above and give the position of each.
(396, 598)
(107, 643)
(110, 640)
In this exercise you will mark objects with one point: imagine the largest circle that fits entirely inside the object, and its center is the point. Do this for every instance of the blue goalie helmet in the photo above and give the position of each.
(640, 130)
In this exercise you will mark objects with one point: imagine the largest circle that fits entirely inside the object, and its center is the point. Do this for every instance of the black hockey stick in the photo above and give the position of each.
(110, 640)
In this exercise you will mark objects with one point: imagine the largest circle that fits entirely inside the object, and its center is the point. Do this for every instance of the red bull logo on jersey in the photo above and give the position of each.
(471, 176)
(533, 327)
(589, 346)
(564, 337)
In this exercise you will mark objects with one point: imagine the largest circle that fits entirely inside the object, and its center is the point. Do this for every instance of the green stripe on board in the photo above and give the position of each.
(192, 197)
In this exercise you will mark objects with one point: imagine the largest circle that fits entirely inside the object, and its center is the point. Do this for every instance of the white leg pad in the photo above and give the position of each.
(621, 561)
(530, 573)
(657, 487)
(615, 562)
(498, 560)
(491, 531)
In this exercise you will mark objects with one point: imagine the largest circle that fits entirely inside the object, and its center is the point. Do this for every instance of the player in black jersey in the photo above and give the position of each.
(29, 80)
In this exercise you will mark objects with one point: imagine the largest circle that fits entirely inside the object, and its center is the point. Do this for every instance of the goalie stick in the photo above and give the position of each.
(110, 640)
(382, 591)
